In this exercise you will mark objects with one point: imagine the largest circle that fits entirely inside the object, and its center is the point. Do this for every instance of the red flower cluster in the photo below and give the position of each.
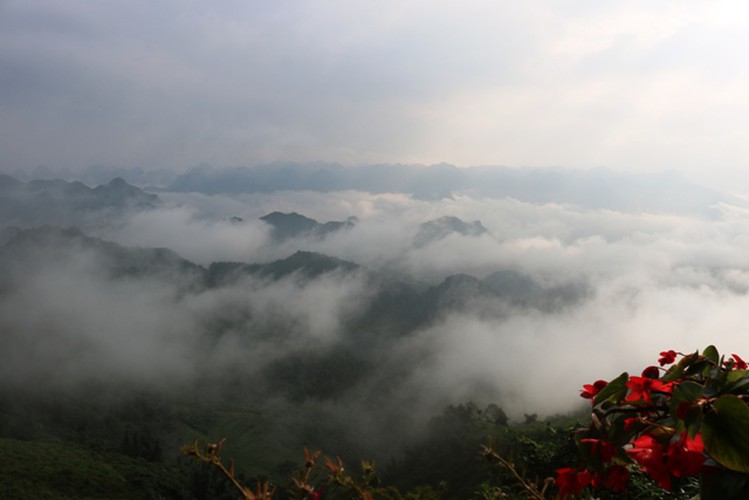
(616, 478)
(681, 458)
(604, 449)
(654, 422)
(571, 482)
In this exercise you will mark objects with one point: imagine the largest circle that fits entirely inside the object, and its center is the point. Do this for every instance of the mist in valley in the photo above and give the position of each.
(371, 310)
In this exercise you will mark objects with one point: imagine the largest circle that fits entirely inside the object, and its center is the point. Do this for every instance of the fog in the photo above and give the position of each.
(651, 282)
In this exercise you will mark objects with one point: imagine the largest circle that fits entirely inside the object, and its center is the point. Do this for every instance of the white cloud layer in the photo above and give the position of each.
(655, 282)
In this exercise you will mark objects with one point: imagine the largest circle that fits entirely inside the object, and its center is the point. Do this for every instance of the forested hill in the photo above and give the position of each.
(390, 300)
(307, 350)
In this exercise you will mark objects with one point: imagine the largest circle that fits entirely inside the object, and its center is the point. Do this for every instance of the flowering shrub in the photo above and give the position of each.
(677, 420)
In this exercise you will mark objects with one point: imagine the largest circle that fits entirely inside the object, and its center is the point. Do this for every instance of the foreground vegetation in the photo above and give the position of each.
(675, 430)
(130, 449)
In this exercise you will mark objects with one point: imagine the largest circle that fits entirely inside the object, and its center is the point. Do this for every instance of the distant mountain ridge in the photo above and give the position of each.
(64, 203)
(95, 175)
(438, 229)
(43, 245)
(598, 188)
(309, 265)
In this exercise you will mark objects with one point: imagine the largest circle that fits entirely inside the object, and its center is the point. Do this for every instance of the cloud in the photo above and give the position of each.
(200, 240)
(635, 87)
(532, 362)
(646, 282)
(66, 323)
(68, 319)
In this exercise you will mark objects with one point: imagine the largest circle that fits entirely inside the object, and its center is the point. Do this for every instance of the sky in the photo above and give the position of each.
(639, 86)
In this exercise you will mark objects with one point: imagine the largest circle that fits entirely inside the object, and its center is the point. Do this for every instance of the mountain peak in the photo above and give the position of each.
(293, 225)
(443, 227)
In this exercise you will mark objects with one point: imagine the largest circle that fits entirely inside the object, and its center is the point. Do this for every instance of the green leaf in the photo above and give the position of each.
(737, 382)
(690, 417)
(693, 420)
(719, 484)
(687, 391)
(675, 372)
(711, 353)
(616, 389)
(725, 431)
(735, 375)
(699, 366)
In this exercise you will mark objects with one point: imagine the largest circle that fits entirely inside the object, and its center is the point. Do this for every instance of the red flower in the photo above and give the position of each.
(650, 455)
(589, 391)
(596, 480)
(571, 481)
(605, 449)
(667, 357)
(616, 478)
(685, 457)
(641, 387)
(682, 409)
(630, 423)
(740, 364)
(646, 450)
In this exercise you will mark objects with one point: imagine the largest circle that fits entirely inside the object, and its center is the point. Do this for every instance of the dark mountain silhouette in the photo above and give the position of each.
(456, 292)
(308, 265)
(397, 303)
(523, 291)
(437, 229)
(47, 245)
(119, 193)
(293, 225)
(63, 203)
(95, 175)
(598, 188)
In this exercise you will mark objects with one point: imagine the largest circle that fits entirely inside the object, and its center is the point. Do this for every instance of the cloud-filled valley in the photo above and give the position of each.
(398, 307)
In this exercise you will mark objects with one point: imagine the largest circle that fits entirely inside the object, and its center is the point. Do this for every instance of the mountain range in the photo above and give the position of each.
(28, 249)
(69, 203)
(597, 188)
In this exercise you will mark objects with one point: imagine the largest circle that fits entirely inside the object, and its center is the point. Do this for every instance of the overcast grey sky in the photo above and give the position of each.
(636, 85)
